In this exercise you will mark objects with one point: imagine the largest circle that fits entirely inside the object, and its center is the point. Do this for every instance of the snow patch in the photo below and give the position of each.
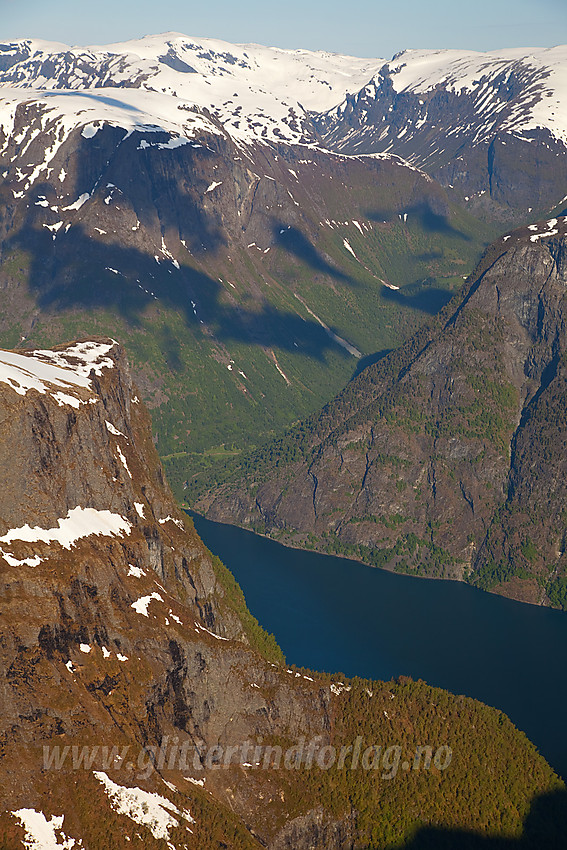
(82, 199)
(141, 605)
(120, 454)
(177, 522)
(212, 634)
(43, 834)
(144, 807)
(79, 523)
(89, 131)
(113, 430)
(24, 562)
(339, 687)
(347, 245)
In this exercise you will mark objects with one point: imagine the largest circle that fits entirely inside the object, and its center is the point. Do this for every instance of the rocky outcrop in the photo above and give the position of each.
(119, 630)
(442, 459)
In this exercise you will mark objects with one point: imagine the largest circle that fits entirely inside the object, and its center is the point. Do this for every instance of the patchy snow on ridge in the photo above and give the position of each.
(24, 372)
(82, 357)
(511, 91)
(46, 371)
(542, 102)
(143, 807)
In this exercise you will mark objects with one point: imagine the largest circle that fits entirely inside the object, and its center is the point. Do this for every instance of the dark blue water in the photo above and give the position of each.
(338, 615)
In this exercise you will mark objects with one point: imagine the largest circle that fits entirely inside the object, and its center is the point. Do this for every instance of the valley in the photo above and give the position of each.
(442, 459)
(158, 192)
(321, 298)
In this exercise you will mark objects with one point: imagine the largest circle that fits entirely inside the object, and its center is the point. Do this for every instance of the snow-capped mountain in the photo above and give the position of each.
(450, 112)
(271, 94)
(485, 124)
(512, 91)
(255, 92)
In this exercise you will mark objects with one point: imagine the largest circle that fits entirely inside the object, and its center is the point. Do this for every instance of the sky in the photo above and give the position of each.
(375, 28)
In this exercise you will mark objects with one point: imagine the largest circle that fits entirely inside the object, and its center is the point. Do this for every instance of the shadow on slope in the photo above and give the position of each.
(369, 360)
(545, 828)
(430, 221)
(82, 269)
(296, 243)
(419, 296)
(77, 271)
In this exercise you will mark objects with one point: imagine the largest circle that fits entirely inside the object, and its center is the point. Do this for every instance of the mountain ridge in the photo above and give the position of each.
(115, 189)
(413, 464)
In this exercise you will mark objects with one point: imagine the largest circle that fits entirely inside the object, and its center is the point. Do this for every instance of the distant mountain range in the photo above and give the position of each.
(449, 111)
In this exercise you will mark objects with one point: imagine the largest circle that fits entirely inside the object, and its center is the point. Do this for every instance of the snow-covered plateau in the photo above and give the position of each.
(184, 85)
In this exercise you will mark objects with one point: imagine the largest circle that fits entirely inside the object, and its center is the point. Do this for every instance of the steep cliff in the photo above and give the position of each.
(130, 666)
(443, 459)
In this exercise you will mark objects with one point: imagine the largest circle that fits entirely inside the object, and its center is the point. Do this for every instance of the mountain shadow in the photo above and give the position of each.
(79, 272)
(296, 243)
(545, 828)
(369, 360)
(426, 298)
(430, 221)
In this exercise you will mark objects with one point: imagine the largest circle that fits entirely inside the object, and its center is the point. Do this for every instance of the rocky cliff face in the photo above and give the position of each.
(119, 630)
(444, 458)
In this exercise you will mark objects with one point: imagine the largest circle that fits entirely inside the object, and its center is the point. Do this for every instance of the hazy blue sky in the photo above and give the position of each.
(360, 27)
